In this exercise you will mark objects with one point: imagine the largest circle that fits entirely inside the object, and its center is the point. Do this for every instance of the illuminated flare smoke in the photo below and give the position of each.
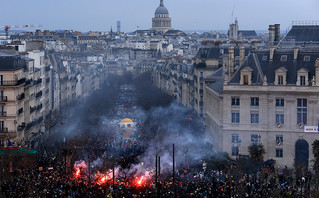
(78, 166)
(77, 173)
(139, 182)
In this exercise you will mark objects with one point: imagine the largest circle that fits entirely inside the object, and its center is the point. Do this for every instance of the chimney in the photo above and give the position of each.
(296, 49)
(317, 72)
(271, 34)
(38, 33)
(241, 54)
(277, 33)
(231, 61)
(271, 52)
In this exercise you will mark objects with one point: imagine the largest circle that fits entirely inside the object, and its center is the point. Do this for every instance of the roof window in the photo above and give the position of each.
(306, 58)
(264, 58)
(283, 58)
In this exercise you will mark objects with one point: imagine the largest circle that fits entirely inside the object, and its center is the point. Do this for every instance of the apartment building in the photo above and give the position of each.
(12, 96)
(272, 98)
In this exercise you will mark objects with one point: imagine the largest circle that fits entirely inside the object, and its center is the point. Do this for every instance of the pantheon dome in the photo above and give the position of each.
(161, 21)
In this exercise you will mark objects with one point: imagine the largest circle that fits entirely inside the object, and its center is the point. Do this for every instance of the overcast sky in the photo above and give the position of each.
(100, 15)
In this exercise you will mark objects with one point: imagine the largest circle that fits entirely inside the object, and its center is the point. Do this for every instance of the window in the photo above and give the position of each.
(283, 58)
(245, 79)
(306, 58)
(264, 58)
(235, 138)
(280, 79)
(254, 118)
(279, 153)
(279, 140)
(280, 102)
(1, 79)
(235, 101)
(280, 118)
(255, 138)
(235, 117)
(1, 141)
(302, 80)
(234, 151)
(254, 101)
(301, 111)
(1, 126)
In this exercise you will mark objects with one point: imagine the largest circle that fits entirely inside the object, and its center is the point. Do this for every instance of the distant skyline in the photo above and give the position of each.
(100, 15)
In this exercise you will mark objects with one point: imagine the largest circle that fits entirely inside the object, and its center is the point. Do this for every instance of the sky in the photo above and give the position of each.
(100, 15)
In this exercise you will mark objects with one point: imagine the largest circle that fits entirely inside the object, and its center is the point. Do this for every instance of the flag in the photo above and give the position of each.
(10, 144)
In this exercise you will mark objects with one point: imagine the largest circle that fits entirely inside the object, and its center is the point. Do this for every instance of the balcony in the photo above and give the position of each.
(3, 98)
(39, 107)
(39, 94)
(20, 111)
(29, 125)
(21, 126)
(3, 114)
(21, 96)
(39, 81)
(28, 82)
(3, 130)
(12, 82)
(32, 109)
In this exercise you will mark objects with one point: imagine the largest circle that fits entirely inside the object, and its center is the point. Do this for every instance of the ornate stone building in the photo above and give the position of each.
(272, 99)
(161, 21)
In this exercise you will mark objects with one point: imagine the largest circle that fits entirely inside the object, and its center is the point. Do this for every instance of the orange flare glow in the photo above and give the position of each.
(139, 182)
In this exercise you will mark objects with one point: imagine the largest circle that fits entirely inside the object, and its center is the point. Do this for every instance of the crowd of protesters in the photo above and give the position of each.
(51, 179)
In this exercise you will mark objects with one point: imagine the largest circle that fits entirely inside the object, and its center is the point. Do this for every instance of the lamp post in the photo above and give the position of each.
(237, 144)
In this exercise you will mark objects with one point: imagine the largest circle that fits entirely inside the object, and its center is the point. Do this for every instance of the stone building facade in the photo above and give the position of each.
(272, 99)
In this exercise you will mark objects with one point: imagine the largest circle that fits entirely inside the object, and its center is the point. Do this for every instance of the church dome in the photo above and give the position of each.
(161, 10)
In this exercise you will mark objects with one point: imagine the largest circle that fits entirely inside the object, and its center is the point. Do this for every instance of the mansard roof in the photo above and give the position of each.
(215, 52)
(262, 66)
(9, 62)
(304, 33)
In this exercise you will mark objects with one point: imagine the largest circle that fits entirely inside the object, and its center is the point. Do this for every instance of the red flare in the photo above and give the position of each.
(139, 182)
(77, 173)
(103, 179)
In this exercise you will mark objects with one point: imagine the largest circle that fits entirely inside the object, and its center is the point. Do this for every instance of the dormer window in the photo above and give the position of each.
(280, 79)
(245, 79)
(280, 76)
(306, 58)
(302, 80)
(302, 77)
(283, 58)
(245, 76)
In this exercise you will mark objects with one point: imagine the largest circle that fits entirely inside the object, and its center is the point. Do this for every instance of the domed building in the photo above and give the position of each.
(161, 22)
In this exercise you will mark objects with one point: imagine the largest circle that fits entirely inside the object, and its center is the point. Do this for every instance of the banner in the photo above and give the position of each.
(311, 129)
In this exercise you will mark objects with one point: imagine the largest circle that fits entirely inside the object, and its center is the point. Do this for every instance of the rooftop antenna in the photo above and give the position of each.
(232, 13)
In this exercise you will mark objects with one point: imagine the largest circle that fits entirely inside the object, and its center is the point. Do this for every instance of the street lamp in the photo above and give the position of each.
(236, 144)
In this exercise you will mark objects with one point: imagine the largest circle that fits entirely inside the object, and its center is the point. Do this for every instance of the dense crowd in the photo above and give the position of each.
(53, 181)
